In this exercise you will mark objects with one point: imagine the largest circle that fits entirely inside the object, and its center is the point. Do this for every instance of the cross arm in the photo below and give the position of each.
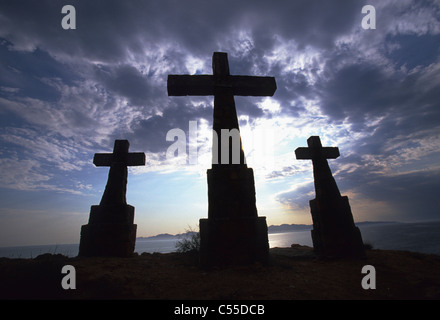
(204, 85)
(187, 85)
(330, 152)
(136, 159)
(130, 159)
(304, 153)
(102, 159)
(253, 86)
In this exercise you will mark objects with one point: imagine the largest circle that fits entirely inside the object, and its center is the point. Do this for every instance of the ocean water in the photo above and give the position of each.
(423, 237)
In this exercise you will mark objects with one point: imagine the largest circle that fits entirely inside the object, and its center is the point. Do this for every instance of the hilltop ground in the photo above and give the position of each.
(293, 273)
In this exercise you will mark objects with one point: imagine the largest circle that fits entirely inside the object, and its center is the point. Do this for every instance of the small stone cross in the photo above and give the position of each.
(325, 185)
(116, 188)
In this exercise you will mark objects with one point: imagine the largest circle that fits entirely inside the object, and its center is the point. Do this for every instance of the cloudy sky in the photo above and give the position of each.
(66, 94)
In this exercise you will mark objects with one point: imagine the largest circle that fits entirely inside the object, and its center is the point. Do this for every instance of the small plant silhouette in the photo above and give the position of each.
(190, 242)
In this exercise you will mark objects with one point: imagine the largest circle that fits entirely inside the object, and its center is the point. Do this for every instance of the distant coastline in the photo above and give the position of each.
(271, 229)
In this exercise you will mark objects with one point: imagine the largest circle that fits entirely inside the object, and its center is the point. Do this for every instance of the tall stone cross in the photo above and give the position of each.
(325, 184)
(233, 232)
(223, 87)
(115, 190)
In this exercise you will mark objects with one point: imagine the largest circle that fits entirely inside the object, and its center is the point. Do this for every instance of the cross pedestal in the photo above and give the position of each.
(233, 233)
(334, 233)
(233, 241)
(110, 231)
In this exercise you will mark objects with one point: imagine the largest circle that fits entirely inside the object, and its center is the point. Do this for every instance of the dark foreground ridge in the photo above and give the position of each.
(293, 273)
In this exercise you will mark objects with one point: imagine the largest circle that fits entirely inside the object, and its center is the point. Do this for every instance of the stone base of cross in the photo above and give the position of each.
(114, 238)
(334, 233)
(233, 232)
(237, 241)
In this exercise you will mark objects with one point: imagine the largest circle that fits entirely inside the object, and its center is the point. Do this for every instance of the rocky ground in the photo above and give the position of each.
(293, 273)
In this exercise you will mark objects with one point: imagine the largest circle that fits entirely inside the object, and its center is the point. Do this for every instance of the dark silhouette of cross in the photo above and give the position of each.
(325, 184)
(223, 87)
(116, 188)
(334, 233)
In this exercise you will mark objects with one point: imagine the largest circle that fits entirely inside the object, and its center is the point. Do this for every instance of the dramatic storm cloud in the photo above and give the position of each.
(66, 94)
